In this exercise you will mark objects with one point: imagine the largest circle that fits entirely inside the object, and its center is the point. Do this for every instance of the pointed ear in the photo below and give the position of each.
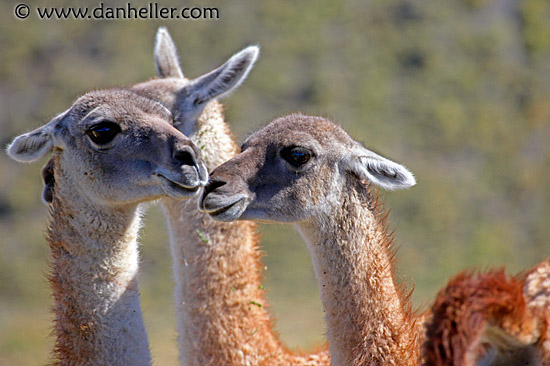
(226, 78)
(192, 99)
(379, 170)
(33, 145)
(166, 56)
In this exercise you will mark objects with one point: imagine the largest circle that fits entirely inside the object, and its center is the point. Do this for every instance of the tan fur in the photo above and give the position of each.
(327, 196)
(94, 268)
(218, 283)
(367, 315)
(113, 149)
(221, 306)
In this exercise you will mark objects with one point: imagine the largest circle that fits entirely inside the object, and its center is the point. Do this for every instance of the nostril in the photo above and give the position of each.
(213, 185)
(185, 157)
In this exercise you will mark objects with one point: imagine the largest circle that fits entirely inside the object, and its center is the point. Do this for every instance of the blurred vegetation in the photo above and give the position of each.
(458, 91)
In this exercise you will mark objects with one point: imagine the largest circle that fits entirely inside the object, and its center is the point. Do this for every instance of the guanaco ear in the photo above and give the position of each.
(166, 56)
(379, 170)
(32, 146)
(216, 84)
(226, 78)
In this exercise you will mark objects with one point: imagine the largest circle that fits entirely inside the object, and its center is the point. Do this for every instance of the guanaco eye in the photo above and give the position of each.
(103, 132)
(296, 156)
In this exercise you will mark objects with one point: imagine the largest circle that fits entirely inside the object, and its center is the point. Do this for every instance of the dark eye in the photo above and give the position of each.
(295, 155)
(103, 132)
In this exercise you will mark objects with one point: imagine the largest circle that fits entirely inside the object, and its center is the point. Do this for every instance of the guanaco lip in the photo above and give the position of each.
(178, 185)
(218, 210)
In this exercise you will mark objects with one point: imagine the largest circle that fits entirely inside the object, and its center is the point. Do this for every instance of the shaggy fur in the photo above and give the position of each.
(218, 277)
(367, 315)
(490, 318)
(94, 269)
(328, 198)
(221, 305)
(95, 187)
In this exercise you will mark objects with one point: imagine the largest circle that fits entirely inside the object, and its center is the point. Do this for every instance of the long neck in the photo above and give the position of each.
(94, 268)
(221, 305)
(366, 321)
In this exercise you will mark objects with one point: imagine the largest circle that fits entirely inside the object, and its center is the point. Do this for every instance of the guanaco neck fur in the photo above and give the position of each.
(221, 305)
(367, 316)
(94, 269)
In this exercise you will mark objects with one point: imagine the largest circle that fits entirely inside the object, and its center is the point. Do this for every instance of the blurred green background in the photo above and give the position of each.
(457, 90)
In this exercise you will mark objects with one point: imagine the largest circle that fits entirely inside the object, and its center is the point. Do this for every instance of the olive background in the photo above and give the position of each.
(457, 90)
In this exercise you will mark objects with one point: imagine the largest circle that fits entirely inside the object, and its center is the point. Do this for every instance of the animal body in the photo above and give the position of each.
(307, 171)
(221, 304)
(112, 150)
